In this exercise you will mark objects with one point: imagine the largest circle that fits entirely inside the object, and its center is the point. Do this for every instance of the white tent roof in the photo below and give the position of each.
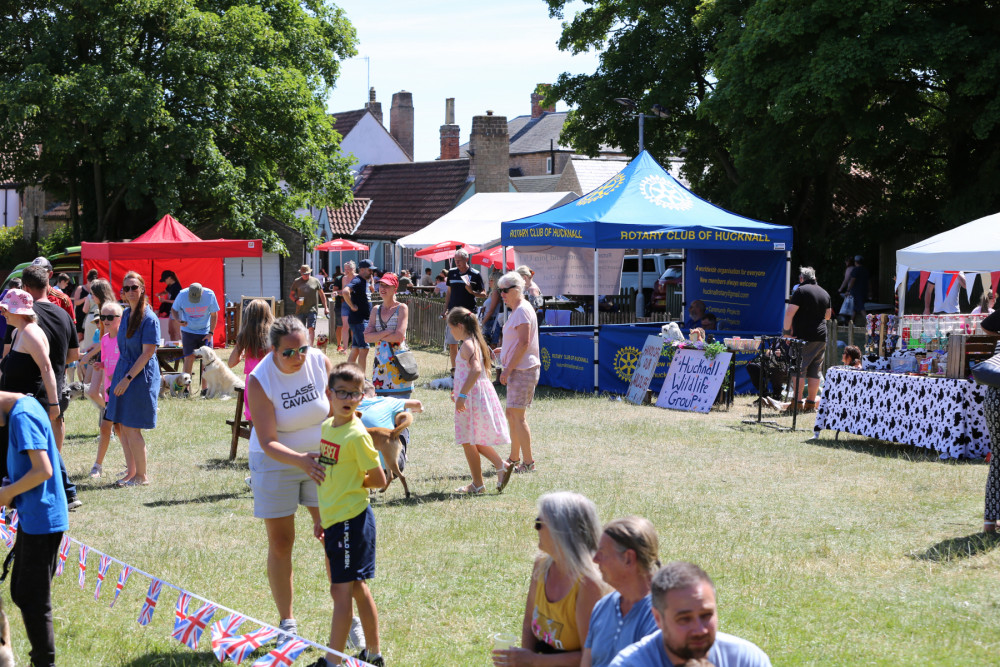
(477, 220)
(975, 246)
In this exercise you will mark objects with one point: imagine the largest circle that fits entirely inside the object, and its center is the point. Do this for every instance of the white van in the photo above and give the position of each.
(653, 266)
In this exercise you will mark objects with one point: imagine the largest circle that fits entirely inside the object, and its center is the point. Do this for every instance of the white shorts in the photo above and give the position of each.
(278, 493)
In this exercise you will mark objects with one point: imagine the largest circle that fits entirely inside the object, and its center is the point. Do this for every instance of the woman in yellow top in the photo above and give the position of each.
(565, 585)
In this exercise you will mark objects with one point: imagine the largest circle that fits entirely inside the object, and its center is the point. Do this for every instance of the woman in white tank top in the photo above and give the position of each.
(288, 398)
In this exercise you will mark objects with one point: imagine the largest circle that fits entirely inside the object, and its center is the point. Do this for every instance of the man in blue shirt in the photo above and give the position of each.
(381, 411)
(684, 608)
(198, 312)
(40, 501)
(356, 298)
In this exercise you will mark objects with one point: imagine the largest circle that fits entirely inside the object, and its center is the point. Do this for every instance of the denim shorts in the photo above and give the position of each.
(358, 335)
(192, 341)
(308, 319)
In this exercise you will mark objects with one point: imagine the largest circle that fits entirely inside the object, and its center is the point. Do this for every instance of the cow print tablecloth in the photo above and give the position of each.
(937, 413)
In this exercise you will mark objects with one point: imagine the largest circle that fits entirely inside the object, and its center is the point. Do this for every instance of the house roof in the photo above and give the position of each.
(536, 183)
(344, 220)
(409, 196)
(346, 120)
(587, 175)
(536, 135)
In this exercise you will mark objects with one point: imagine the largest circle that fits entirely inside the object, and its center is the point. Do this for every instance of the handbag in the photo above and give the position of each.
(403, 360)
(988, 372)
(847, 308)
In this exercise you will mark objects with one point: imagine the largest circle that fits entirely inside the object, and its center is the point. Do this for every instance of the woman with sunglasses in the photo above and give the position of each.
(288, 402)
(565, 585)
(135, 384)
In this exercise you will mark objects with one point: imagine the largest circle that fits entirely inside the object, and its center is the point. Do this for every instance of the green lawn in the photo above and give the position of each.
(844, 553)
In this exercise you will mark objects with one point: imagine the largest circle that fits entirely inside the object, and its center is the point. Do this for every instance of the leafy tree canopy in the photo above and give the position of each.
(850, 120)
(211, 110)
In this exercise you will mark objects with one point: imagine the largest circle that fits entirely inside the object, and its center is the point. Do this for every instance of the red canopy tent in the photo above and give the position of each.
(169, 245)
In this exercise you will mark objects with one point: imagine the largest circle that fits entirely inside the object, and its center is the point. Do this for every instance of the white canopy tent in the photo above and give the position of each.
(971, 248)
(477, 220)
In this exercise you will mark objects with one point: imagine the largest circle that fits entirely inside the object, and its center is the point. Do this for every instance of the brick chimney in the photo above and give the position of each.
(489, 146)
(449, 132)
(401, 120)
(374, 106)
(536, 101)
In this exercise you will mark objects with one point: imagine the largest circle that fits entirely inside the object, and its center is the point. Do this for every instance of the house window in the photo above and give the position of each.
(548, 166)
(408, 261)
(388, 252)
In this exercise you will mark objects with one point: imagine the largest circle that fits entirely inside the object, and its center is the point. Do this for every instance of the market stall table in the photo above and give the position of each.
(169, 358)
(942, 414)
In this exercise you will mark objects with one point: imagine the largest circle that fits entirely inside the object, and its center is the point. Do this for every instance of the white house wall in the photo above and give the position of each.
(244, 278)
(369, 143)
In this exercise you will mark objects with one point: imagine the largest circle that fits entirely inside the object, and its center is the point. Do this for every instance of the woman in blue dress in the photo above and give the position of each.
(136, 381)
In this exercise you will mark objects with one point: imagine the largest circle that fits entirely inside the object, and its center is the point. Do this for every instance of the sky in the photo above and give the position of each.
(487, 55)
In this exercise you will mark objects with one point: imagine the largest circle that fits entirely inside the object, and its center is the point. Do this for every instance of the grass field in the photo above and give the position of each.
(836, 553)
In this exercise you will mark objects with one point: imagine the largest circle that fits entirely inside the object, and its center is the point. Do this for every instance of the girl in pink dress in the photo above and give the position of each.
(252, 343)
(111, 317)
(480, 423)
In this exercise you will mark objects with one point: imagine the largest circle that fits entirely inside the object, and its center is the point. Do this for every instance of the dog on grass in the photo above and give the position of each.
(387, 443)
(219, 380)
(442, 383)
(175, 384)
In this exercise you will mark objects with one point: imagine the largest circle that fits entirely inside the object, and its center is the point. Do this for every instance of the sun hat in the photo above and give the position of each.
(18, 302)
(305, 269)
(390, 279)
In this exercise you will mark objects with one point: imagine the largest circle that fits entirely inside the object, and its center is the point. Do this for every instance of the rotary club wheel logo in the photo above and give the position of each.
(665, 193)
(546, 359)
(602, 191)
(625, 362)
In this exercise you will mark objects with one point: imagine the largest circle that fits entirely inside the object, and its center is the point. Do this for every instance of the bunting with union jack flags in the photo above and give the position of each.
(83, 563)
(190, 629)
(282, 656)
(122, 578)
(6, 535)
(181, 610)
(149, 604)
(14, 521)
(102, 571)
(63, 555)
(225, 629)
(238, 648)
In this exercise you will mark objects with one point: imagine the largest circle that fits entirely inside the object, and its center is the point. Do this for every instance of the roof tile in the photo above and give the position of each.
(344, 220)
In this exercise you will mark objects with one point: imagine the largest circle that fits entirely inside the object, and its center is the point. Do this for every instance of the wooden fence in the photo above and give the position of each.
(425, 326)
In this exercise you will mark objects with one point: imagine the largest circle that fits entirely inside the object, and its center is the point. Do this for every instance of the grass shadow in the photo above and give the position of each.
(957, 548)
(215, 497)
(889, 450)
(418, 499)
(199, 659)
(225, 464)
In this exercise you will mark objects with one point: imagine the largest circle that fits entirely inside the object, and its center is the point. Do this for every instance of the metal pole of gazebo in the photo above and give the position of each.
(597, 327)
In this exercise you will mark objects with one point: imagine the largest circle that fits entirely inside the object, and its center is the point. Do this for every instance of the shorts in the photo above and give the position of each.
(448, 338)
(278, 493)
(350, 548)
(813, 355)
(358, 335)
(308, 319)
(192, 341)
(521, 387)
(344, 310)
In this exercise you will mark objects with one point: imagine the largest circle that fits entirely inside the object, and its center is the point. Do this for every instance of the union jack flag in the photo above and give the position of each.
(102, 571)
(353, 662)
(191, 628)
(83, 562)
(238, 648)
(122, 578)
(224, 629)
(14, 521)
(149, 605)
(283, 655)
(63, 555)
(181, 610)
(6, 536)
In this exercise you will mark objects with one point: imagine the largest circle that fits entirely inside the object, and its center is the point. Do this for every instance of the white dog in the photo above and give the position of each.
(219, 380)
(442, 383)
(175, 383)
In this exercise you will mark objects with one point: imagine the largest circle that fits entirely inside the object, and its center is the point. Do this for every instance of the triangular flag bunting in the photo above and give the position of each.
(149, 605)
(63, 555)
(122, 579)
(190, 629)
(284, 655)
(996, 281)
(83, 563)
(924, 275)
(102, 571)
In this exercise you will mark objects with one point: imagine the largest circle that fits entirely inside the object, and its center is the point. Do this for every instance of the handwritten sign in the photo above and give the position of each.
(644, 369)
(692, 381)
(571, 270)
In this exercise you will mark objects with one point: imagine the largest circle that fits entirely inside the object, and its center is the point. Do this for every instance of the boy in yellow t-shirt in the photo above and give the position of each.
(347, 523)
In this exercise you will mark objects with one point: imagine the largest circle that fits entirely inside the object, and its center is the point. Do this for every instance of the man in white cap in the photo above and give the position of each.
(307, 292)
(197, 311)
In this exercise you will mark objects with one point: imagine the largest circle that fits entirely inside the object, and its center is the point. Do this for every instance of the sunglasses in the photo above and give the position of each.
(109, 318)
(504, 290)
(347, 395)
(293, 350)
(131, 288)
(538, 523)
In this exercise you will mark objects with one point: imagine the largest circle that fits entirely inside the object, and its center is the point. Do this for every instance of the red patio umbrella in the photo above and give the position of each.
(341, 245)
(491, 258)
(444, 250)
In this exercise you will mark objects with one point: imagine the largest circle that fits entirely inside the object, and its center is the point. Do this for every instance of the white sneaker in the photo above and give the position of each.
(289, 629)
(356, 637)
(96, 470)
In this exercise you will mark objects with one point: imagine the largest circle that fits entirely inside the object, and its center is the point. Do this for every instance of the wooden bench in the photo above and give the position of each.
(240, 426)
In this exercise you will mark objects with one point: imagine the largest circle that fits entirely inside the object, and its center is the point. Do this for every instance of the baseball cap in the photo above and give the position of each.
(366, 264)
(42, 262)
(389, 278)
(858, 258)
(194, 292)
(18, 302)
(167, 274)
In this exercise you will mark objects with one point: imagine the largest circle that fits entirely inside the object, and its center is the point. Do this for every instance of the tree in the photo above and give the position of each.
(211, 110)
(849, 120)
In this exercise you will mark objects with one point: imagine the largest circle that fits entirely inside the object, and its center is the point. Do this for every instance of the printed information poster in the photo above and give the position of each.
(744, 290)
(652, 350)
(692, 381)
(571, 270)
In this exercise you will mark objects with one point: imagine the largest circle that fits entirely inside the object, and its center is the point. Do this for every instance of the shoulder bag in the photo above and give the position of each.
(988, 372)
(403, 360)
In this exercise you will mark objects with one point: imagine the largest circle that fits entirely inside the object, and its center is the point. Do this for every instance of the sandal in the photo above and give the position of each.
(525, 467)
(503, 476)
(471, 490)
